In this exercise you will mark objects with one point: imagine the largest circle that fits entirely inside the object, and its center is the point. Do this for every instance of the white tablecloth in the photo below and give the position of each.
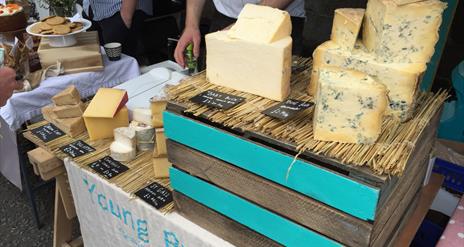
(25, 106)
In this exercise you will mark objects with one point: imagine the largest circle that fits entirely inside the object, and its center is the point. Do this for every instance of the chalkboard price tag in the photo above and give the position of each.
(108, 167)
(156, 195)
(217, 99)
(77, 148)
(48, 132)
(287, 109)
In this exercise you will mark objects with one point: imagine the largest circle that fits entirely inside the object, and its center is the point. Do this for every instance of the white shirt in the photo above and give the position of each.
(232, 8)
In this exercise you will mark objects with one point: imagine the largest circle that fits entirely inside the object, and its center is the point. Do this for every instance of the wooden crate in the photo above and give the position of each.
(322, 199)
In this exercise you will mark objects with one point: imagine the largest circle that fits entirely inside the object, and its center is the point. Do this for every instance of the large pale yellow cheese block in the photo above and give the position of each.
(100, 128)
(346, 26)
(402, 33)
(261, 24)
(350, 106)
(401, 79)
(71, 126)
(69, 96)
(69, 111)
(260, 69)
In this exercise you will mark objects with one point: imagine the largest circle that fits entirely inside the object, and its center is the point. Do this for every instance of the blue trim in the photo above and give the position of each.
(333, 189)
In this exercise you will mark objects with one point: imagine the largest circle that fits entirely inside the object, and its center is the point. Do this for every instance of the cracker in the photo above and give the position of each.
(36, 29)
(46, 18)
(77, 28)
(57, 20)
(47, 32)
(61, 29)
(44, 26)
(72, 25)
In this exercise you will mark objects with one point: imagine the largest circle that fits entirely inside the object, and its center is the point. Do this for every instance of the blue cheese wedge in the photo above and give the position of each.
(402, 33)
(401, 79)
(346, 25)
(350, 106)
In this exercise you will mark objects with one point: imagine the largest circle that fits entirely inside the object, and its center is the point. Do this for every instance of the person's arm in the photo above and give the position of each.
(280, 4)
(7, 84)
(191, 32)
(127, 11)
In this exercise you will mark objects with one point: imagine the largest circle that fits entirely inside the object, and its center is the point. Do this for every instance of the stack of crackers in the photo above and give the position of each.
(56, 25)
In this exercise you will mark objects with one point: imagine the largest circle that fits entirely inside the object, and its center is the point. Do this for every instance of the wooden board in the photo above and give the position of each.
(283, 201)
(341, 192)
(223, 227)
(255, 217)
(85, 56)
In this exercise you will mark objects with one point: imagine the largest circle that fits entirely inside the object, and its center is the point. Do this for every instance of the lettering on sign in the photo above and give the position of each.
(48, 132)
(288, 109)
(155, 194)
(108, 167)
(77, 148)
(217, 99)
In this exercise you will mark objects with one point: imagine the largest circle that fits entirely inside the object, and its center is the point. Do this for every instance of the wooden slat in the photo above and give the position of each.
(404, 220)
(66, 195)
(297, 207)
(221, 226)
(257, 218)
(334, 189)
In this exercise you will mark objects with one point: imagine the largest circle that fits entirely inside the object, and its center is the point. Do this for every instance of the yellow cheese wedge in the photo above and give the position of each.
(261, 24)
(69, 96)
(100, 128)
(106, 103)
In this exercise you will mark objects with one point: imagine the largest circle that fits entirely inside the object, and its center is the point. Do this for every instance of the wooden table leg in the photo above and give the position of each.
(62, 228)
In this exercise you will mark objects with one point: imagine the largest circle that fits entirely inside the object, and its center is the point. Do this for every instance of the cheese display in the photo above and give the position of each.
(69, 111)
(257, 68)
(261, 24)
(157, 108)
(71, 126)
(346, 26)
(106, 112)
(251, 65)
(402, 33)
(145, 135)
(160, 141)
(161, 166)
(123, 147)
(350, 106)
(12, 18)
(401, 80)
(69, 96)
(142, 115)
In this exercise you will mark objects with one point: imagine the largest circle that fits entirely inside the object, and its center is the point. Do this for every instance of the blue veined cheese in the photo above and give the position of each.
(261, 69)
(261, 24)
(401, 79)
(402, 33)
(346, 25)
(350, 106)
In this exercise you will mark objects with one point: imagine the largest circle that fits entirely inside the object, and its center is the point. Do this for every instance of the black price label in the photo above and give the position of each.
(156, 195)
(77, 148)
(108, 167)
(48, 132)
(287, 109)
(217, 99)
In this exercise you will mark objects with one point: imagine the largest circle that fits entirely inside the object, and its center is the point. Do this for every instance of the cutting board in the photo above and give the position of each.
(85, 56)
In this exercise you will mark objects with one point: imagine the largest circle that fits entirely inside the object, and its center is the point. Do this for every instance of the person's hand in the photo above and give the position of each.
(7, 84)
(190, 35)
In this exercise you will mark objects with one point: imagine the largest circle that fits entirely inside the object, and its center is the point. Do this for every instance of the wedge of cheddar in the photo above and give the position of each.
(261, 24)
(402, 33)
(402, 80)
(346, 26)
(350, 106)
(256, 68)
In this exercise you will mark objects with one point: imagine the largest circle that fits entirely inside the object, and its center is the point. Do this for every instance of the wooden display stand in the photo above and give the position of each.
(85, 56)
(215, 167)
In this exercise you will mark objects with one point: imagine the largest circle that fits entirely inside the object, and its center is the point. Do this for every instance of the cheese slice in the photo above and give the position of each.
(261, 24)
(350, 106)
(69, 111)
(402, 80)
(142, 115)
(157, 108)
(121, 152)
(69, 96)
(403, 2)
(161, 166)
(346, 25)
(160, 140)
(125, 136)
(261, 69)
(402, 34)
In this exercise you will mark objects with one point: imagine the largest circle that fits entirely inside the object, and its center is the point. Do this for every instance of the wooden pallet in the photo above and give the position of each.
(244, 164)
